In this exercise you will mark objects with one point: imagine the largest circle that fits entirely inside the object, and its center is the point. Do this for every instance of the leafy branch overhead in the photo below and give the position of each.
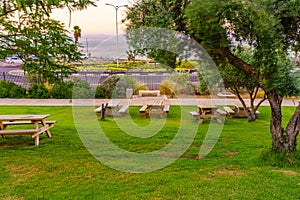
(27, 29)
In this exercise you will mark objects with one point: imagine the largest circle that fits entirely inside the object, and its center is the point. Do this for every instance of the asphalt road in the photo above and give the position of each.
(6, 67)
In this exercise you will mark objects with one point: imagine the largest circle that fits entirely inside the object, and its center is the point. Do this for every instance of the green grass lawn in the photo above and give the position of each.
(239, 167)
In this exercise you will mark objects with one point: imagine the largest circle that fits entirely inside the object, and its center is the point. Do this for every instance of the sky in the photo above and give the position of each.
(95, 20)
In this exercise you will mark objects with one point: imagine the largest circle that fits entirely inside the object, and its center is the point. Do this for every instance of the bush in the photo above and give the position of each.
(38, 91)
(11, 90)
(82, 89)
(62, 90)
(106, 88)
(100, 92)
(167, 87)
(182, 84)
(115, 87)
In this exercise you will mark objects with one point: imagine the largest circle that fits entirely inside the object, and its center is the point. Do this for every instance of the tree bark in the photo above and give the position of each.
(283, 140)
(292, 130)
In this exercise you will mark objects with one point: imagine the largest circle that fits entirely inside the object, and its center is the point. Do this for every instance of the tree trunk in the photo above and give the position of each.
(282, 140)
(292, 130)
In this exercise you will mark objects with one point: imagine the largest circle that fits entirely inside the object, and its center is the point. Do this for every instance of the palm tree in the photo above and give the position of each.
(77, 33)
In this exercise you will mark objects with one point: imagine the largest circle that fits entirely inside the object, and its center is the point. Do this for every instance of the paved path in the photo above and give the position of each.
(134, 101)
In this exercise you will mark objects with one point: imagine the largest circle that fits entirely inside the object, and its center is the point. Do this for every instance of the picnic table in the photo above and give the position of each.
(238, 111)
(113, 108)
(208, 111)
(155, 107)
(38, 121)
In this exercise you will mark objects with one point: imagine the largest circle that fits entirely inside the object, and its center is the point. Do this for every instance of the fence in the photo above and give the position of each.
(150, 79)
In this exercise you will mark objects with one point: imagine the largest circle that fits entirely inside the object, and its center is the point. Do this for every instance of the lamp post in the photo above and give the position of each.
(117, 7)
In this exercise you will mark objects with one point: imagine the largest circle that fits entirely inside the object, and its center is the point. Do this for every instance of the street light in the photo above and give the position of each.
(117, 7)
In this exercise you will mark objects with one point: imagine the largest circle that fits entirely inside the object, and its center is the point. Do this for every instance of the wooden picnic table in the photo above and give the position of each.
(209, 111)
(155, 107)
(240, 111)
(38, 121)
(111, 108)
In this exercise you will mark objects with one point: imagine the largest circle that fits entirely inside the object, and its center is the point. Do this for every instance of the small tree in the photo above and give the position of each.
(238, 82)
(27, 29)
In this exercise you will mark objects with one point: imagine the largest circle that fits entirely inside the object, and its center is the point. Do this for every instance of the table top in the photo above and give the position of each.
(207, 106)
(23, 117)
(155, 103)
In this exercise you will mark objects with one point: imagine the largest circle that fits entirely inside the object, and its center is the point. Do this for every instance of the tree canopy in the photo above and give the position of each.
(27, 29)
(270, 28)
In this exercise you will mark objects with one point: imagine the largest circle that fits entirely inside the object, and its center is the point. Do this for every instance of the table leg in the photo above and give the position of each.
(37, 140)
(47, 131)
(200, 121)
(2, 128)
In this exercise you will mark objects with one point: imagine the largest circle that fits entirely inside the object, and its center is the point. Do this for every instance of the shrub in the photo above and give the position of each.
(11, 90)
(82, 89)
(167, 87)
(100, 92)
(38, 91)
(106, 88)
(115, 87)
(62, 90)
(182, 84)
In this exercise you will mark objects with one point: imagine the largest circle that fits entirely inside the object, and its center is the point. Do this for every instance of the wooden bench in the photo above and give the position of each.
(33, 132)
(123, 110)
(166, 108)
(195, 114)
(98, 110)
(143, 109)
(229, 111)
(149, 93)
(221, 112)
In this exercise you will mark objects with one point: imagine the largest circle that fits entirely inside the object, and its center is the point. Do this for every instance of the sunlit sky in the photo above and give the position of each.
(95, 20)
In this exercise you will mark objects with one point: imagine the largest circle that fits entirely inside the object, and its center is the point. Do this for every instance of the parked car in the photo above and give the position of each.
(84, 56)
(7, 59)
(14, 60)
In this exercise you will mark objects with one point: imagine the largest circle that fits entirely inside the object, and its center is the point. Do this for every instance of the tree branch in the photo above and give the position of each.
(237, 62)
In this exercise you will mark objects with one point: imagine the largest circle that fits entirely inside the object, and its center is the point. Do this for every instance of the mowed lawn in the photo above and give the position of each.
(239, 166)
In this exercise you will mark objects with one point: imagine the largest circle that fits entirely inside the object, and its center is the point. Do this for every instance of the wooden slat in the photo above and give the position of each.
(25, 122)
(19, 131)
(123, 109)
(228, 110)
(23, 117)
(221, 112)
(195, 114)
(143, 109)
(166, 108)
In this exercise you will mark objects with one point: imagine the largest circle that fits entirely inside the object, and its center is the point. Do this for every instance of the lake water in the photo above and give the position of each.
(104, 46)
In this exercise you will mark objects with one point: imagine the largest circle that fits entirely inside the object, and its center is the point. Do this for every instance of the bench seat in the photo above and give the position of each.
(228, 110)
(123, 110)
(166, 108)
(19, 131)
(221, 112)
(143, 109)
(195, 114)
